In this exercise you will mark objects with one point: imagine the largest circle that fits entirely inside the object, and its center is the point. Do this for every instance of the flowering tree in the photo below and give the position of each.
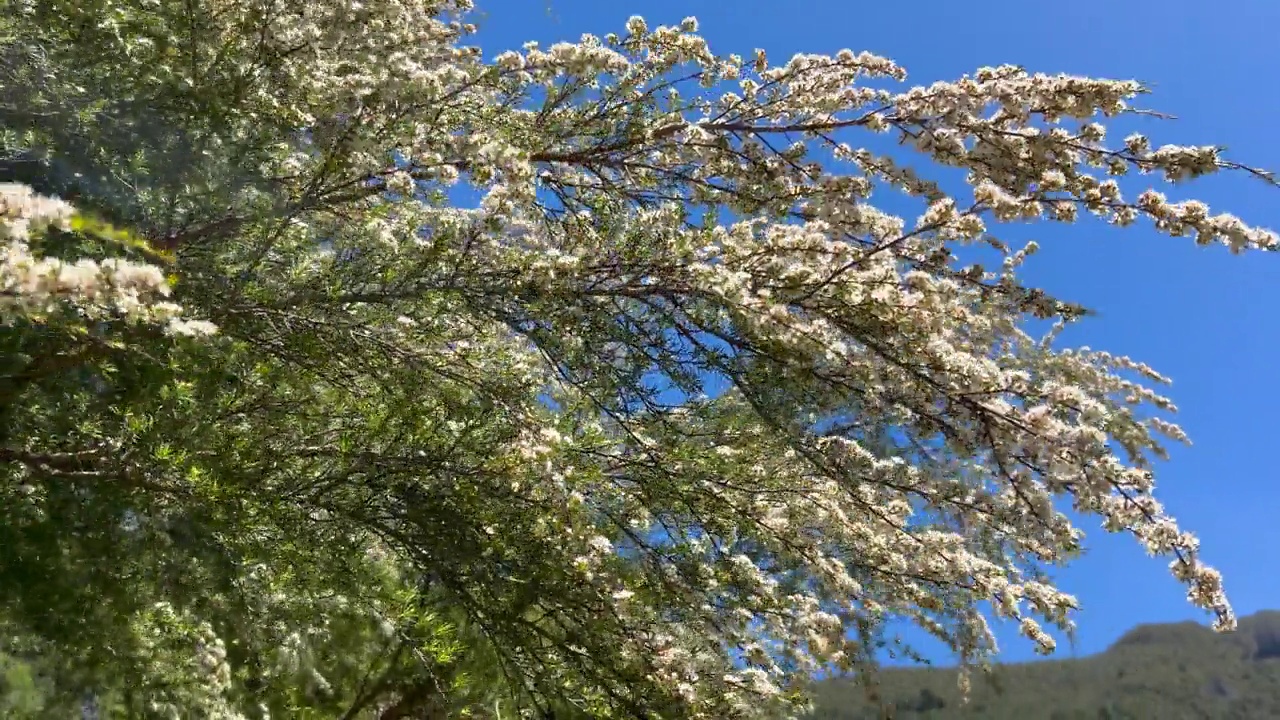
(670, 418)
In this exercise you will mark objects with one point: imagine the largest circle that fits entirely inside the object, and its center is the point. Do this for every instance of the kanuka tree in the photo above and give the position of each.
(670, 417)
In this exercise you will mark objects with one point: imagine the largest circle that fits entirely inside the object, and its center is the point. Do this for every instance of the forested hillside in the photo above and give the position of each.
(1169, 672)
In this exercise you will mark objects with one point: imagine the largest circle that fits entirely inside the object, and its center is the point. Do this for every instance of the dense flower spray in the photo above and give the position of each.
(32, 286)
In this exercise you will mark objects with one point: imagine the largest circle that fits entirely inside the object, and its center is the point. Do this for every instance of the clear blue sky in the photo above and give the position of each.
(1199, 315)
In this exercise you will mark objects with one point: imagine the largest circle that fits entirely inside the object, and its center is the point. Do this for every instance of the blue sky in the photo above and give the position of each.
(1199, 315)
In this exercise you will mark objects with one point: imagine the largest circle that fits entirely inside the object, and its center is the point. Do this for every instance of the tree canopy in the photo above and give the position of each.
(352, 372)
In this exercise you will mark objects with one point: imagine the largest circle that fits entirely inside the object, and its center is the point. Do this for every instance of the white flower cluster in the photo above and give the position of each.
(192, 659)
(22, 211)
(32, 286)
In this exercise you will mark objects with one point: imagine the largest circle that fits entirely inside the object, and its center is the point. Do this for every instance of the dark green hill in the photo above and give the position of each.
(1179, 671)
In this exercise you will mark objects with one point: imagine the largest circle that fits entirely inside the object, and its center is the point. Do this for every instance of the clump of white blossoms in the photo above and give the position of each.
(33, 286)
(199, 679)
